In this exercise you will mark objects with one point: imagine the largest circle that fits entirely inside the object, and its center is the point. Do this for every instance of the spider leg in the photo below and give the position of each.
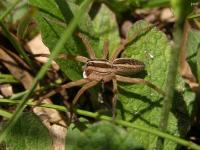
(87, 45)
(75, 58)
(139, 81)
(114, 99)
(118, 50)
(65, 86)
(125, 42)
(82, 90)
(105, 50)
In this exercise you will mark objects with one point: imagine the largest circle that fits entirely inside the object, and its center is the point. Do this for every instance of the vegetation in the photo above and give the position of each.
(34, 118)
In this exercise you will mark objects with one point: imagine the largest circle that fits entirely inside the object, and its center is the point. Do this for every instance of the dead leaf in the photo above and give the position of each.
(37, 47)
(19, 72)
(6, 90)
(167, 15)
(55, 124)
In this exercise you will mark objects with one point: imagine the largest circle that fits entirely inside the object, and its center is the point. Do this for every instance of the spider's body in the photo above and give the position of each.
(104, 70)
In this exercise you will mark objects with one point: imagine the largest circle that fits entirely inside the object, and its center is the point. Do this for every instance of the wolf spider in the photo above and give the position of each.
(104, 70)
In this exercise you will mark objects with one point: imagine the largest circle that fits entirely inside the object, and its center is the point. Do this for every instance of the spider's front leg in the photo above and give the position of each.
(139, 81)
(74, 58)
(83, 89)
(128, 40)
(87, 45)
(66, 86)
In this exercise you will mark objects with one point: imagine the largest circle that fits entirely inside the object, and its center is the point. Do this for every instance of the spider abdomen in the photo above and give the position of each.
(127, 66)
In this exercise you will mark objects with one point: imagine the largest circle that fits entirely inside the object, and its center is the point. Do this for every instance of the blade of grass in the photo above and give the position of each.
(5, 114)
(193, 16)
(107, 118)
(7, 78)
(66, 35)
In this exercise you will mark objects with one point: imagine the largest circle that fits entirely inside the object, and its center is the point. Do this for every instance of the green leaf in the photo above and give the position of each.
(29, 133)
(66, 11)
(100, 136)
(198, 63)
(193, 50)
(139, 103)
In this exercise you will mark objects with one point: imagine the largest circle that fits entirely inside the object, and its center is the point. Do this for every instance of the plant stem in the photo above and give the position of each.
(65, 36)
(107, 118)
(181, 11)
(167, 102)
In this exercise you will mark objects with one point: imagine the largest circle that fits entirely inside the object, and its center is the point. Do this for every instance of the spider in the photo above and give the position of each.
(104, 70)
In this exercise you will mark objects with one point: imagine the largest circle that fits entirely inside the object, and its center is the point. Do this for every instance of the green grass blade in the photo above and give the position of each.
(5, 114)
(7, 78)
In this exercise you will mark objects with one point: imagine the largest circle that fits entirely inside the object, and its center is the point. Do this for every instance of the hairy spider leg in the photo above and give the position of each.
(83, 89)
(125, 42)
(74, 58)
(90, 50)
(105, 50)
(139, 81)
(114, 98)
(66, 86)
(87, 45)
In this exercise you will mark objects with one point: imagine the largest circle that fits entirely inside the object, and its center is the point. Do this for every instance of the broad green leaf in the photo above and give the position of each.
(29, 133)
(100, 136)
(139, 103)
